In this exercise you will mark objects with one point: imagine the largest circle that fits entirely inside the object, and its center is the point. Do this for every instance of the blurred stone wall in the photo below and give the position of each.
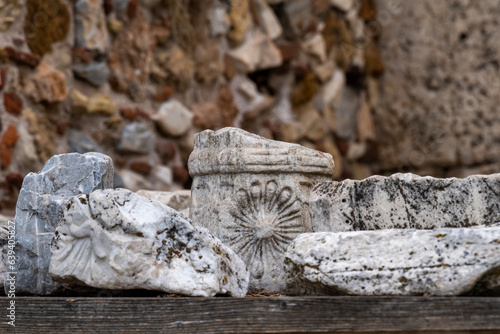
(136, 79)
(439, 105)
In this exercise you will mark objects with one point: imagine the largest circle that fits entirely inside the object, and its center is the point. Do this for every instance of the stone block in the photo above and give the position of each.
(116, 239)
(253, 194)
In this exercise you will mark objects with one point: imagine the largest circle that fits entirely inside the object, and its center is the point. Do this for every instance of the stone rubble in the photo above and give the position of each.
(101, 104)
(40, 205)
(144, 76)
(441, 262)
(116, 239)
(261, 199)
(405, 201)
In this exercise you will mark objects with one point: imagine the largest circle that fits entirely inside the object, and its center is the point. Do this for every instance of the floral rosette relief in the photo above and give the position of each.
(252, 193)
(265, 220)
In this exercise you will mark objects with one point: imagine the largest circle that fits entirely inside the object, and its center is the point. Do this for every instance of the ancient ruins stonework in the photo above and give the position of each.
(252, 193)
(116, 239)
(39, 209)
(445, 261)
(405, 201)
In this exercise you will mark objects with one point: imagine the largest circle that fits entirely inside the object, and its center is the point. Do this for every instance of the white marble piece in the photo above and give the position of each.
(252, 193)
(443, 262)
(116, 239)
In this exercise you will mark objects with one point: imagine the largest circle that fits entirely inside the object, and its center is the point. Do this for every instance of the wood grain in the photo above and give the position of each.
(254, 315)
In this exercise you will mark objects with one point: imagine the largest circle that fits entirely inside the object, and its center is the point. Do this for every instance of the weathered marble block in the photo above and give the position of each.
(116, 239)
(39, 209)
(445, 261)
(405, 201)
(253, 193)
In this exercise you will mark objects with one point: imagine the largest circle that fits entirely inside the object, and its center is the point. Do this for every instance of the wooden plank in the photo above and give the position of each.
(250, 315)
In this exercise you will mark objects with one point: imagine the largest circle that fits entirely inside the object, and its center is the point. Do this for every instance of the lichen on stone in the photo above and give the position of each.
(45, 23)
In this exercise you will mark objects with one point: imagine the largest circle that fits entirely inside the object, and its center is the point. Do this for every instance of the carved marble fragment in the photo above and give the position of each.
(405, 201)
(445, 261)
(252, 193)
(116, 239)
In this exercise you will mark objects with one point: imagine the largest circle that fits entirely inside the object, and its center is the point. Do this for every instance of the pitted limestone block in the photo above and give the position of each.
(116, 239)
(444, 262)
(405, 201)
(252, 193)
(39, 209)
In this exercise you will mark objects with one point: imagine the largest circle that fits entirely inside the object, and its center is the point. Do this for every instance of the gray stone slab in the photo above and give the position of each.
(39, 209)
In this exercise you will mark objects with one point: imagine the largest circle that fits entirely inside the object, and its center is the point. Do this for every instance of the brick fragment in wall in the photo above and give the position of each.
(20, 57)
(7, 143)
(12, 103)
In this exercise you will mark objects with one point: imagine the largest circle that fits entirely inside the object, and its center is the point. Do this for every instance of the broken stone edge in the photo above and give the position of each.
(231, 150)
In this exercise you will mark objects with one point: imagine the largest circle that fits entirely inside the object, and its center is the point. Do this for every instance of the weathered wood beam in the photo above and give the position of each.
(253, 315)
